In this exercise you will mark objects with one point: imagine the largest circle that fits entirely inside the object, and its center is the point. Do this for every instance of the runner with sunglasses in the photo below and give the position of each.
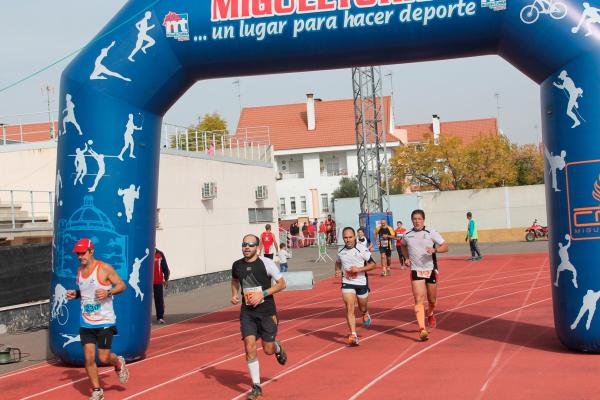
(258, 316)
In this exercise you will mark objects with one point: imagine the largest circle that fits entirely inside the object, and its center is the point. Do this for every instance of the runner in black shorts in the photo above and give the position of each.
(384, 235)
(258, 315)
(419, 246)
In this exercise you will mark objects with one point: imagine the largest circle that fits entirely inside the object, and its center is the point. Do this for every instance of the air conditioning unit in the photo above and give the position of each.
(261, 192)
(209, 190)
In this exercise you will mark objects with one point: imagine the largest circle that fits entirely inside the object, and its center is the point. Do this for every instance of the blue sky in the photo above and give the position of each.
(36, 33)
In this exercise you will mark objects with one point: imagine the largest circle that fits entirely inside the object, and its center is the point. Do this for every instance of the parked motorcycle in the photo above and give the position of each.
(536, 231)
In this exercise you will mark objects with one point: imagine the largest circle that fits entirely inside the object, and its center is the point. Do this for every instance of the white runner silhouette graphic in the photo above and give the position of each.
(565, 264)
(588, 305)
(143, 37)
(100, 71)
(70, 117)
(57, 188)
(134, 278)
(80, 165)
(130, 127)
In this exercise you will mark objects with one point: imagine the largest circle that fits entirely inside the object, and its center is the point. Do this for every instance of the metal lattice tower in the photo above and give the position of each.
(370, 138)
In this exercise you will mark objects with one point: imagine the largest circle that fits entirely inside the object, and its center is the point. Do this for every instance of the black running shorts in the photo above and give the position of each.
(259, 325)
(431, 280)
(100, 336)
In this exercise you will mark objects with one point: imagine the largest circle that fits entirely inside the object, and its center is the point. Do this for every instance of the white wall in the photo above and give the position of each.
(498, 208)
(197, 236)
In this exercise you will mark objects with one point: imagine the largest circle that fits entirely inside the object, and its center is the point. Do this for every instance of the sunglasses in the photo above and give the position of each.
(249, 244)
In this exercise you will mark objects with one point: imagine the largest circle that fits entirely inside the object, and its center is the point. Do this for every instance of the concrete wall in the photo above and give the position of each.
(502, 214)
(198, 236)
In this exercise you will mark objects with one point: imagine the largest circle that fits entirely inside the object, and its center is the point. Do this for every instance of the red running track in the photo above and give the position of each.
(494, 340)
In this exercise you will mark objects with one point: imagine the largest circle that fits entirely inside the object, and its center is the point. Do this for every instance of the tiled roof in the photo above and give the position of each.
(288, 127)
(468, 130)
(36, 132)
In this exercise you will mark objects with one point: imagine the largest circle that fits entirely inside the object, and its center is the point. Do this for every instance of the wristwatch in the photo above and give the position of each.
(109, 293)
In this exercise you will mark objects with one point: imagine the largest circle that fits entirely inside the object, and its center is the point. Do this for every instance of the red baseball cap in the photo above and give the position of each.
(83, 245)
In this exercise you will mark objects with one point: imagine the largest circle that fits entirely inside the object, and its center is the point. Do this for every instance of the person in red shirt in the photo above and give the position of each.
(161, 279)
(311, 234)
(330, 225)
(400, 231)
(267, 240)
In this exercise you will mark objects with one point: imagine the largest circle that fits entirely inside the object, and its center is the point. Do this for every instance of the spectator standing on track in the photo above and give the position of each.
(283, 257)
(400, 231)
(315, 231)
(98, 282)
(295, 232)
(420, 246)
(473, 238)
(267, 242)
(258, 315)
(362, 240)
(330, 227)
(351, 265)
(305, 234)
(161, 282)
(384, 235)
(311, 234)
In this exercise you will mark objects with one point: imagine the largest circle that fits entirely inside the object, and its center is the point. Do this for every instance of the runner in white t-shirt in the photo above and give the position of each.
(351, 265)
(420, 246)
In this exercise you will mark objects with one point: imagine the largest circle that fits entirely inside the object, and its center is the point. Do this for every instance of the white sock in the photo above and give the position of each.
(254, 369)
(277, 348)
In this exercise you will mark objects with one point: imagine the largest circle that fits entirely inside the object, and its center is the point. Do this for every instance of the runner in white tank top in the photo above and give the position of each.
(95, 313)
(97, 282)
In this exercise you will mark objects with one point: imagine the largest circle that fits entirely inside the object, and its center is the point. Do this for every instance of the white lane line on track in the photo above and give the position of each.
(380, 377)
(235, 334)
(42, 364)
(491, 373)
(201, 368)
(471, 277)
(228, 336)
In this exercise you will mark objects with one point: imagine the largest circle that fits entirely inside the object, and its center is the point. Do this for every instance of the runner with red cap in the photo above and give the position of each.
(98, 282)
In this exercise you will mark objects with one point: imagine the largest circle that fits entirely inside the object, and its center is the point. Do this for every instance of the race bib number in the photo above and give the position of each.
(248, 292)
(91, 310)
(350, 275)
(424, 274)
(384, 242)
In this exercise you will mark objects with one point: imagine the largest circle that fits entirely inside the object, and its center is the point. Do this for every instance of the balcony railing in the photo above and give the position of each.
(292, 175)
(339, 172)
(26, 210)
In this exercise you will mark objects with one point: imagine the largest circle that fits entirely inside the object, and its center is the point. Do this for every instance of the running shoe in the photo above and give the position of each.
(97, 395)
(161, 321)
(423, 335)
(367, 319)
(353, 340)
(281, 356)
(431, 321)
(255, 393)
(123, 372)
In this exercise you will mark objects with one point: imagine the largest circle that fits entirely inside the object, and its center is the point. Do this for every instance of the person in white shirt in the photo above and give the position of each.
(420, 246)
(353, 261)
(283, 256)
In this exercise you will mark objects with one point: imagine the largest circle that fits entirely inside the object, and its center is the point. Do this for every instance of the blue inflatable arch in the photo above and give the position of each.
(114, 94)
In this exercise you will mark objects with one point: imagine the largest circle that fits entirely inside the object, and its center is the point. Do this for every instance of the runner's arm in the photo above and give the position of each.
(235, 291)
(114, 279)
(274, 273)
(338, 269)
(404, 250)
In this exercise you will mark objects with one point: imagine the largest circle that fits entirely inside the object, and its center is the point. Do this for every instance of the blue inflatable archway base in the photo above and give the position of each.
(114, 94)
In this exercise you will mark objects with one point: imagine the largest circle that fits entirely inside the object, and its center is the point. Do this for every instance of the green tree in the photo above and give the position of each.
(529, 163)
(490, 163)
(431, 165)
(348, 188)
(211, 129)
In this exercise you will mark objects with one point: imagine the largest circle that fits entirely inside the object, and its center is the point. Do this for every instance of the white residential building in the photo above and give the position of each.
(314, 147)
